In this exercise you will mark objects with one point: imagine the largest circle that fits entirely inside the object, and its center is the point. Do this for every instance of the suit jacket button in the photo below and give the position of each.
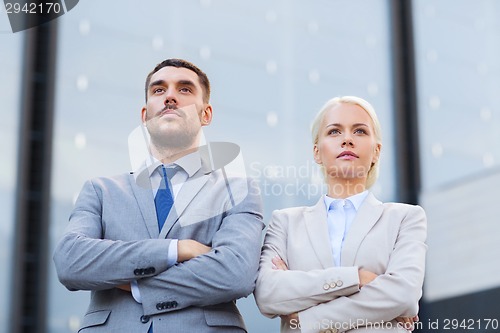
(333, 285)
(159, 306)
(144, 319)
(339, 283)
(151, 270)
(174, 304)
(137, 271)
(326, 286)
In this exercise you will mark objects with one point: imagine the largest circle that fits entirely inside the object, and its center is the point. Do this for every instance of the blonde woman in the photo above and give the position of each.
(350, 262)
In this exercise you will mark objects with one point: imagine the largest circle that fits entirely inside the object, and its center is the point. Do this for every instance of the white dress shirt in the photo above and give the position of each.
(340, 215)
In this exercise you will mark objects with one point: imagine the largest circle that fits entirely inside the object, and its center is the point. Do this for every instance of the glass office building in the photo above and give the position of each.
(272, 65)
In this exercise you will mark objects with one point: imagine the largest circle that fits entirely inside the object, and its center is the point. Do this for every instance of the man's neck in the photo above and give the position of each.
(170, 155)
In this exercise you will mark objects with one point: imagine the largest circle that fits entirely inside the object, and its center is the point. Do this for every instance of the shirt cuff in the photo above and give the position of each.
(136, 293)
(172, 253)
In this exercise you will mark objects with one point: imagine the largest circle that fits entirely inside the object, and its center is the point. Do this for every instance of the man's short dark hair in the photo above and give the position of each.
(204, 82)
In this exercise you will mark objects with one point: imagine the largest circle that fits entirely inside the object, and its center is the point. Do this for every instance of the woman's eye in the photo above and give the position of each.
(333, 131)
(360, 131)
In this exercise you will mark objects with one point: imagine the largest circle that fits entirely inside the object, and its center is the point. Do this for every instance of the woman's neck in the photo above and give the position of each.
(344, 188)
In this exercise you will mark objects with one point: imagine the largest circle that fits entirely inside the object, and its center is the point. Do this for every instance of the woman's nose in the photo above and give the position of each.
(347, 142)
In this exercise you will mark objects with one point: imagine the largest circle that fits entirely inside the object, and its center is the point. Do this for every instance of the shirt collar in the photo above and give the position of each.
(190, 163)
(356, 199)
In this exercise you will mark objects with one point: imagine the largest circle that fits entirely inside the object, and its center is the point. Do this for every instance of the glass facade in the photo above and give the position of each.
(10, 62)
(272, 66)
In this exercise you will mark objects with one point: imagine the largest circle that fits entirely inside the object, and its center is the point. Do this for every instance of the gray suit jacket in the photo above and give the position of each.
(385, 238)
(113, 238)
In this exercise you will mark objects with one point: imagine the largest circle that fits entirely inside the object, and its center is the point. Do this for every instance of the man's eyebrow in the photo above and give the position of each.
(186, 83)
(180, 82)
(157, 83)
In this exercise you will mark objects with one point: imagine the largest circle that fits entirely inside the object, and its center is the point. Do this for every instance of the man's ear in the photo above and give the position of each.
(144, 115)
(317, 158)
(206, 115)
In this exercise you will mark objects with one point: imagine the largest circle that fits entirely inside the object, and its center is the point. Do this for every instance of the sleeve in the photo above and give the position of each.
(224, 274)
(86, 261)
(172, 259)
(392, 294)
(284, 292)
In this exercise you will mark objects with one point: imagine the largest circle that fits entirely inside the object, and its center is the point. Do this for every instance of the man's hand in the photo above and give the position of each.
(188, 249)
(365, 277)
(125, 287)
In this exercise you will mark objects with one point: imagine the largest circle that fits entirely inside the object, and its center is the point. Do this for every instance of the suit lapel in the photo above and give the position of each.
(317, 229)
(368, 214)
(141, 187)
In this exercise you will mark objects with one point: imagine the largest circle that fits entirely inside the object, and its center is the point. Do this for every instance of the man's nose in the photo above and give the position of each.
(170, 97)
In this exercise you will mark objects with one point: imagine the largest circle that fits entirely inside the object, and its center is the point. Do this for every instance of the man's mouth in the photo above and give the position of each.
(169, 110)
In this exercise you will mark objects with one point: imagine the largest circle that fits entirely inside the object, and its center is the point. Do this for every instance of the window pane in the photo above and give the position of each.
(457, 52)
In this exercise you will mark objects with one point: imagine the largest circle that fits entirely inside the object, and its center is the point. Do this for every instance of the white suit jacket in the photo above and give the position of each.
(385, 238)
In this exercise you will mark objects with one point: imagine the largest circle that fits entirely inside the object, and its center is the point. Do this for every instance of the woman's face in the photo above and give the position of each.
(346, 146)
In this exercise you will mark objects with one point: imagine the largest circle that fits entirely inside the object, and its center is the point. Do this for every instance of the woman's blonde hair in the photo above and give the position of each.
(374, 169)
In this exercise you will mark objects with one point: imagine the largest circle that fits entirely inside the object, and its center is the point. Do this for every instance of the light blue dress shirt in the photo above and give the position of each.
(340, 215)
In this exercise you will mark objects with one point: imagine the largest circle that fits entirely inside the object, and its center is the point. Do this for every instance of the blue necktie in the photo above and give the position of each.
(163, 204)
(163, 199)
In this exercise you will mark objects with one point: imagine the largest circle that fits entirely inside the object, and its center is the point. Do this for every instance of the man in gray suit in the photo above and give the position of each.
(172, 246)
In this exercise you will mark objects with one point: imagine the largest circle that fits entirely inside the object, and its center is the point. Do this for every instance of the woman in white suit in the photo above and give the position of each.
(350, 262)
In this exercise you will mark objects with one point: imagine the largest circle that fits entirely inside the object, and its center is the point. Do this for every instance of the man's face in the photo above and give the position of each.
(175, 111)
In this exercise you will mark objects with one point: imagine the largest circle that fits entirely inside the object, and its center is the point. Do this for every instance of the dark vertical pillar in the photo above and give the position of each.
(29, 274)
(405, 102)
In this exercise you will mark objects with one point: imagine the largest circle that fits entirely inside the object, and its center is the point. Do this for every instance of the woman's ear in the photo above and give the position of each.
(317, 157)
(376, 155)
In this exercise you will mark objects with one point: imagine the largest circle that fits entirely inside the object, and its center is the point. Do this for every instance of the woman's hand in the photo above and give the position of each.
(279, 264)
(407, 322)
(365, 277)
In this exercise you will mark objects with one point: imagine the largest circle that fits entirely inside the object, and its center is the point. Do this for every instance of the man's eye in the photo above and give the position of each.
(158, 90)
(185, 90)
